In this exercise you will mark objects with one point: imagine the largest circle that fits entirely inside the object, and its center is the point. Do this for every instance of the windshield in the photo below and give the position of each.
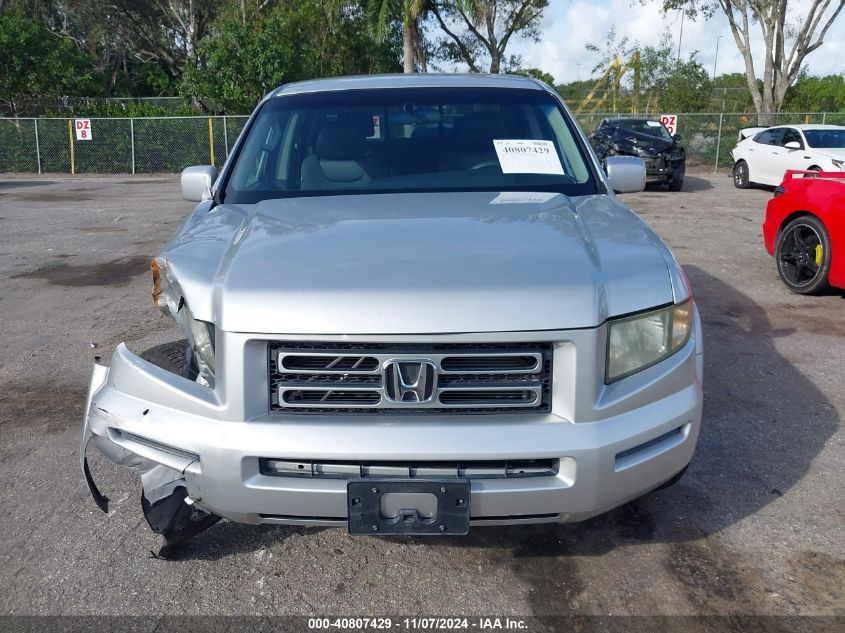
(825, 138)
(645, 126)
(407, 140)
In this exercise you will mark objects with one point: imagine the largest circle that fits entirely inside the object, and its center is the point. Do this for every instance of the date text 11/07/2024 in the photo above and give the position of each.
(480, 623)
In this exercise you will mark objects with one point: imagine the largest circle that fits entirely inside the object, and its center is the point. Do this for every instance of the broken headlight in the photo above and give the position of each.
(167, 295)
(637, 342)
(202, 342)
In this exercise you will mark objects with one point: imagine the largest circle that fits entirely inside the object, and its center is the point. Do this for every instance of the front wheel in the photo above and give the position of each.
(740, 175)
(174, 357)
(803, 255)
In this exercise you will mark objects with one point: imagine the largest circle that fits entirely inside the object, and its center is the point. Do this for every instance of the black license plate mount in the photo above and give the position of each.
(366, 506)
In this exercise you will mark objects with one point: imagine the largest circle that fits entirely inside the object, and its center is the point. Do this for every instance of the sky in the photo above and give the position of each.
(568, 25)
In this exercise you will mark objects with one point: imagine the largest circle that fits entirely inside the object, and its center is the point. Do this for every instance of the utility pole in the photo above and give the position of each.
(681, 36)
(716, 58)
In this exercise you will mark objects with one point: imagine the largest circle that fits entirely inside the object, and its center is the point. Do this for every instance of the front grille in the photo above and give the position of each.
(477, 469)
(409, 378)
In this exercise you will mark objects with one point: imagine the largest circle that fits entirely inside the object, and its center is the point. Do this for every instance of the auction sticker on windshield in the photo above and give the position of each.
(528, 157)
(522, 197)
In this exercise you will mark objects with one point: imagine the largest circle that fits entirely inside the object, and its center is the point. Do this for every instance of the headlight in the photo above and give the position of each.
(203, 339)
(635, 343)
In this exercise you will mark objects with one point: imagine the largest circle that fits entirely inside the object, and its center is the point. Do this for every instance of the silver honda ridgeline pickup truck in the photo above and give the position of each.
(411, 304)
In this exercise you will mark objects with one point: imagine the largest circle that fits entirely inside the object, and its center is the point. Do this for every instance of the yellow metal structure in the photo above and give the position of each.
(211, 140)
(611, 82)
(70, 140)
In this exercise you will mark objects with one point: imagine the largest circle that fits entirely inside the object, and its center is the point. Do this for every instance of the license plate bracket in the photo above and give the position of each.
(366, 505)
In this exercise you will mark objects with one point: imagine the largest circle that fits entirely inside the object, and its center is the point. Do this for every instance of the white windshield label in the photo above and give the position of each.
(654, 123)
(522, 197)
(528, 157)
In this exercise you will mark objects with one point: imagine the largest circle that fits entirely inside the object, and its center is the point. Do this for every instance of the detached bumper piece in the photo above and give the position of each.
(176, 518)
(168, 509)
(408, 507)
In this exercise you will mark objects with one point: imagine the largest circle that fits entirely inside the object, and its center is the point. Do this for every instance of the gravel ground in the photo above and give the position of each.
(755, 527)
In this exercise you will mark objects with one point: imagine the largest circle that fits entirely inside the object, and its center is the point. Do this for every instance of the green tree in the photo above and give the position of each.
(666, 81)
(730, 93)
(384, 15)
(817, 94)
(166, 33)
(244, 57)
(575, 91)
(35, 62)
(134, 46)
(620, 70)
(657, 62)
(687, 88)
(535, 73)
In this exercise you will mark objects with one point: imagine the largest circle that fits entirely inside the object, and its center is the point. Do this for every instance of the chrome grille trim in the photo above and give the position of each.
(518, 366)
(327, 363)
(469, 378)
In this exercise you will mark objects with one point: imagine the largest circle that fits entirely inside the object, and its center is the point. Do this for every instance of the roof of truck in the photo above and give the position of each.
(416, 80)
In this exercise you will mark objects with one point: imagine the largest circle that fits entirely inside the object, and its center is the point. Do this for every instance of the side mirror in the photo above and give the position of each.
(625, 173)
(793, 145)
(197, 182)
(677, 138)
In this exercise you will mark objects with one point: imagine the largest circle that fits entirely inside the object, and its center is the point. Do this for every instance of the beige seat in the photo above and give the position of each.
(341, 159)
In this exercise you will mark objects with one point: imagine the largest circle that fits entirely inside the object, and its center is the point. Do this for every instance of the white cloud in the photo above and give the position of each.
(570, 24)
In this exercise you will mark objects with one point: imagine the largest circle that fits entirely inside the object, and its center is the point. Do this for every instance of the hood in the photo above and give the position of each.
(631, 141)
(419, 263)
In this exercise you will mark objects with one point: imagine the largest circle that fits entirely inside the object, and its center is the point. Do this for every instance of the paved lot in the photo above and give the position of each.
(756, 526)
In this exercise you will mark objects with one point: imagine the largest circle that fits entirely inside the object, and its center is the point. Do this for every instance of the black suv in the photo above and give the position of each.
(664, 156)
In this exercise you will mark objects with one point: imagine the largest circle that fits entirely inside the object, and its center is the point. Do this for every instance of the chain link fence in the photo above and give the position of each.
(168, 144)
(115, 145)
(709, 137)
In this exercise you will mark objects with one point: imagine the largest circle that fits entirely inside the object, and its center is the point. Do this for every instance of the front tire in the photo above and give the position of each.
(740, 175)
(174, 357)
(803, 255)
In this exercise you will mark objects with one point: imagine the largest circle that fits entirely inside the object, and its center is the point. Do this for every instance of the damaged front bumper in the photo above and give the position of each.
(199, 450)
(663, 170)
(164, 471)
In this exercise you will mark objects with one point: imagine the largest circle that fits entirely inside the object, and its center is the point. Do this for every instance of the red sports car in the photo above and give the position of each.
(805, 230)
